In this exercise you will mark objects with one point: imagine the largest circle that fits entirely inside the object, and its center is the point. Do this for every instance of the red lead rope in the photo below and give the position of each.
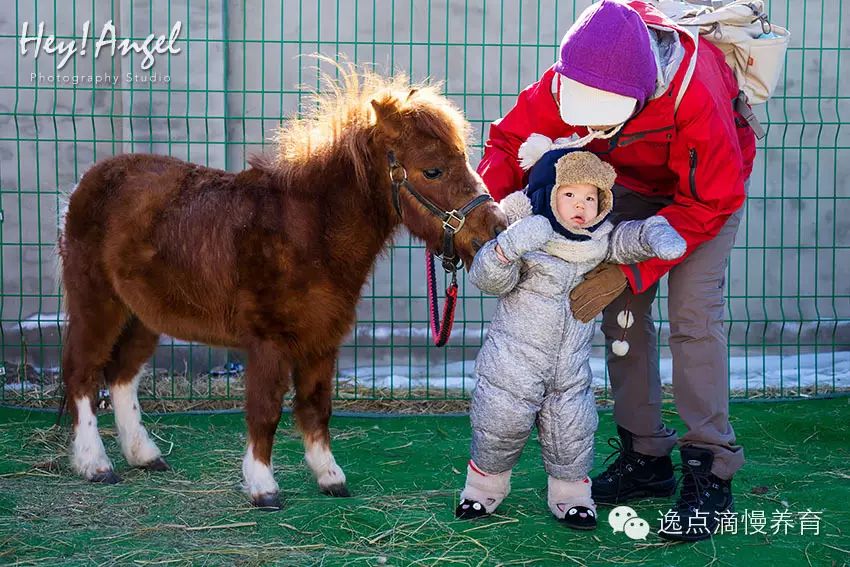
(440, 330)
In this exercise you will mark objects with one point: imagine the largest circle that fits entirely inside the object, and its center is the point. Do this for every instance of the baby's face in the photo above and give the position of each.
(577, 204)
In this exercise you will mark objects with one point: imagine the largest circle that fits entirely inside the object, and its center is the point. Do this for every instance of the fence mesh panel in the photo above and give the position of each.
(242, 68)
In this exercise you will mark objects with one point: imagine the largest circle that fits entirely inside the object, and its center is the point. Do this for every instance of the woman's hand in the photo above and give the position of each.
(601, 285)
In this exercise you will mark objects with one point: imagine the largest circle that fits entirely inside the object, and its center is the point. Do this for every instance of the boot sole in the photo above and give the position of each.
(659, 489)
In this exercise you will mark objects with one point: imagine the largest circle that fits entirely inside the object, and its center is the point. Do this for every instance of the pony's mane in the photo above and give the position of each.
(340, 122)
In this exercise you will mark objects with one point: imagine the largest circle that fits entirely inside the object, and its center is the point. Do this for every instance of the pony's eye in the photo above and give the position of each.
(432, 173)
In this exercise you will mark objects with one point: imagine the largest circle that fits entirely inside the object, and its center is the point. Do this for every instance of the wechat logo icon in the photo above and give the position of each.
(625, 519)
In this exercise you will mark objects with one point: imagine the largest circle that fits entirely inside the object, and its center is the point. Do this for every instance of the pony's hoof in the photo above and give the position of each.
(267, 502)
(157, 465)
(106, 477)
(338, 490)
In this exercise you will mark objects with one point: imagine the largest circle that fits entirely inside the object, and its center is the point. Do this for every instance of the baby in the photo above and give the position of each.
(534, 366)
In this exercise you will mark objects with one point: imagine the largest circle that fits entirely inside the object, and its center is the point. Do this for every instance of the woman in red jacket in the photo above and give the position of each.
(685, 154)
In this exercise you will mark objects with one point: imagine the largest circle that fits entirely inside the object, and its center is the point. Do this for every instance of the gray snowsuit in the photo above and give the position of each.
(534, 366)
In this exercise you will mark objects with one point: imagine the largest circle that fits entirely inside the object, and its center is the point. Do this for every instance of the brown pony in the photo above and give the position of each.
(270, 260)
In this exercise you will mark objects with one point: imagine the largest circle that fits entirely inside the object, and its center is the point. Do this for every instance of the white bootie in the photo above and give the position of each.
(486, 489)
(563, 495)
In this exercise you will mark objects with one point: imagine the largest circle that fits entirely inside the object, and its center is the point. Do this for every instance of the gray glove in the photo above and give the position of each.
(525, 235)
(662, 239)
(638, 240)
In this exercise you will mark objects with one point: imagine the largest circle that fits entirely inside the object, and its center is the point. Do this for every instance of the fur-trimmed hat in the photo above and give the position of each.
(569, 167)
(577, 167)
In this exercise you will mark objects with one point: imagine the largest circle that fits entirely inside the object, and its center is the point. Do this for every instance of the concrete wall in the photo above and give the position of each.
(239, 73)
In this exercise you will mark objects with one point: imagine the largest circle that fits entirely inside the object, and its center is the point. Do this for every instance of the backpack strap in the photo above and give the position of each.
(689, 73)
(556, 89)
(742, 107)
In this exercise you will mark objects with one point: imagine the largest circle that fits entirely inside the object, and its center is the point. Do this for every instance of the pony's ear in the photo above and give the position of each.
(411, 93)
(387, 118)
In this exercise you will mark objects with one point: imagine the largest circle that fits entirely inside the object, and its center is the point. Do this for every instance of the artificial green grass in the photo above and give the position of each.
(405, 474)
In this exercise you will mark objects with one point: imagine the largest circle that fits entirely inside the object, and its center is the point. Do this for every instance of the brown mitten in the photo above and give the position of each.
(600, 287)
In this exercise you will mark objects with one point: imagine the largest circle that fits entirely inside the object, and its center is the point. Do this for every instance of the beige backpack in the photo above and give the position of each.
(754, 47)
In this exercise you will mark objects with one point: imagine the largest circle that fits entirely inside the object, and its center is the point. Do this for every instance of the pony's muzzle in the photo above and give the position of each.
(497, 224)
(477, 244)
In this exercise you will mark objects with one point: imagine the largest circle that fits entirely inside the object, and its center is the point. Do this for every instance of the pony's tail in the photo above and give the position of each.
(63, 198)
(61, 413)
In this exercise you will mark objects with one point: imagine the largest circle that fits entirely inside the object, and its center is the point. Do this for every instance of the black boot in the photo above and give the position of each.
(632, 475)
(702, 502)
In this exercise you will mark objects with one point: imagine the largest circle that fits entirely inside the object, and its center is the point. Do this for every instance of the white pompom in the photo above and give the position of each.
(620, 348)
(625, 319)
(533, 149)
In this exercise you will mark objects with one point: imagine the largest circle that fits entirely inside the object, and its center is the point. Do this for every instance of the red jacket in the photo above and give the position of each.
(700, 156)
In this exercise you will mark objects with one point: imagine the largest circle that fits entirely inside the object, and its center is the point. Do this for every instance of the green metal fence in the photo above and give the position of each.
(240, 71)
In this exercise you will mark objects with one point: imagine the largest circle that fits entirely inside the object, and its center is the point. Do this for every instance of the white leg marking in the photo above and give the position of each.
(259, 478)
(321, 461)
(137, 447)
(88, 457)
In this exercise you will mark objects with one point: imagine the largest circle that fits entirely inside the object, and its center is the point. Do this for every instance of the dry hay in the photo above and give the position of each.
(164, 391)
(401, 511)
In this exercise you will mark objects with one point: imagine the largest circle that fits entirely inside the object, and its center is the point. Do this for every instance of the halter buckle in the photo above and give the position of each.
(451, 265)
(396, 167)
(456, 216)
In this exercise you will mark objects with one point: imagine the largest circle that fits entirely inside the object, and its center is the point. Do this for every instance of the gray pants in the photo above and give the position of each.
(697, 344)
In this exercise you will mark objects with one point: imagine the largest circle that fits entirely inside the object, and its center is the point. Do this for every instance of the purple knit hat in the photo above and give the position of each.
(608, 48)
